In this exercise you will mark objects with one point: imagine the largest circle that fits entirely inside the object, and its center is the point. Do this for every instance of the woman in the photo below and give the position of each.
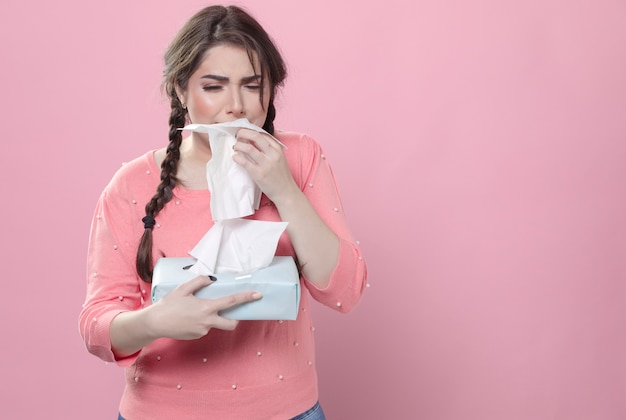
(182, 359)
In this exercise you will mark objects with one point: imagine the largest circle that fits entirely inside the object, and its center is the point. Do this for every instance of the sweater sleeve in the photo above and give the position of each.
(349, 277)
(113, 285)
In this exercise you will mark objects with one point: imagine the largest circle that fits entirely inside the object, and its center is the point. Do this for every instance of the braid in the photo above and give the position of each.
(165, 189)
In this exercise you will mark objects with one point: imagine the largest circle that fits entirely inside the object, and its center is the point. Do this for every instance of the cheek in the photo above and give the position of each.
(204, 102)
(257, 112)
(257, 119)
(201, 107)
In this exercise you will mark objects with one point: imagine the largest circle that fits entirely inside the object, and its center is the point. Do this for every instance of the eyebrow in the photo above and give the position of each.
(246, 79)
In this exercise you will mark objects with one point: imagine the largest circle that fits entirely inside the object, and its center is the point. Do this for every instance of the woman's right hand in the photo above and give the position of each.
(179, 315)
(183, 316)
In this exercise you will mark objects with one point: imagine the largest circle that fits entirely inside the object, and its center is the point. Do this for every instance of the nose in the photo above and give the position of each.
(235, 103)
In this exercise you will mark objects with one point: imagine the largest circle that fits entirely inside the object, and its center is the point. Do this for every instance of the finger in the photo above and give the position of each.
(247, 134)
(189, 287)
(236, 299)
(257, 153)
(246, 147)
(243, 152)
(274, 143)
(270, 141)
(259, 140)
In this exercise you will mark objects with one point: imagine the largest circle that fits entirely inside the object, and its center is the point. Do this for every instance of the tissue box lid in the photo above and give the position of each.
(279, 283)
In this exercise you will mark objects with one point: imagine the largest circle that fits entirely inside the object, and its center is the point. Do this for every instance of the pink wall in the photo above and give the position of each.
(480, 151)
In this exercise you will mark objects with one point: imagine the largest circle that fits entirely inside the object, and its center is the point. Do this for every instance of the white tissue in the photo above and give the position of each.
(237, 246)
(232, 245)
(233, 193)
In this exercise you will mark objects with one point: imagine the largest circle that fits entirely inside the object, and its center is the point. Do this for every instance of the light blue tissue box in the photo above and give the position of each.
(279, 283)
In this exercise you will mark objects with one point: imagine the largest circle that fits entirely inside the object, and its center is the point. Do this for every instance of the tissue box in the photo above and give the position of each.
(279, 283)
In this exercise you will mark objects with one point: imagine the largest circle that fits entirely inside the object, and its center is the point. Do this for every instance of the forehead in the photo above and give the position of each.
(228, 60)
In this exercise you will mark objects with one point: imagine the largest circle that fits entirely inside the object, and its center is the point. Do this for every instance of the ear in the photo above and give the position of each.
(182, 96)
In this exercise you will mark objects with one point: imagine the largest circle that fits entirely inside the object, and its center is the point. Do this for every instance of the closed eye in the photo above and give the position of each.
(212, 87)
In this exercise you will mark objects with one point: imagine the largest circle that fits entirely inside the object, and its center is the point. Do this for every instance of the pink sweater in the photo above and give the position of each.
(262, 369)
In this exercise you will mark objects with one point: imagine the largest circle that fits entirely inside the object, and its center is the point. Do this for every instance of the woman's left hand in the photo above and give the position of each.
(263, 158)
(316, 245)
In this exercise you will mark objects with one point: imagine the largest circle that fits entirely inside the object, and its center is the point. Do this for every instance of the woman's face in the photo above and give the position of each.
(225, 87)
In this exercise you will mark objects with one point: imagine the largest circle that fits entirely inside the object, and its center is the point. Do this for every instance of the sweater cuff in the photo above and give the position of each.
(101, 345)
(347, 281)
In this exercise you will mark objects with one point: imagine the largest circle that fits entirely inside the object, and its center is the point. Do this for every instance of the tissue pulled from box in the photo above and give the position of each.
(237, 246)
(233, 244)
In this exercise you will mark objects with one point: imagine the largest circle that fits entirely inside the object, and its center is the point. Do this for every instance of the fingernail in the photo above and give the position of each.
(213, 278)
(257, 295)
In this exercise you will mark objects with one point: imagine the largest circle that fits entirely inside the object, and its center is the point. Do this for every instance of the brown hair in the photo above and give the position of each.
(211, 26)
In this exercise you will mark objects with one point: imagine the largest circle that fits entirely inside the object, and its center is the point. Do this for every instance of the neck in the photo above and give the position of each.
(195, 152)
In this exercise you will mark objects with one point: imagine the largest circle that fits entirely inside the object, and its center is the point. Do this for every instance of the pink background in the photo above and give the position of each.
(479, 147)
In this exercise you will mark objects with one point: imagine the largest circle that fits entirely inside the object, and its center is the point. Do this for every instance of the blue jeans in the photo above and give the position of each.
(313, 413)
